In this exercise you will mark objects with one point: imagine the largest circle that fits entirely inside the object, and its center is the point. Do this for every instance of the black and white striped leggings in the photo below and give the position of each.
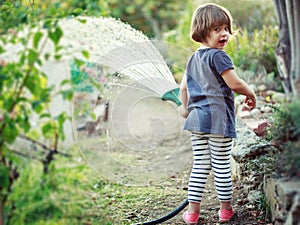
(210, 152)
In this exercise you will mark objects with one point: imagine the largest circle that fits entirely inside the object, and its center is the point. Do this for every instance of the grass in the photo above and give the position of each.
(73, 194)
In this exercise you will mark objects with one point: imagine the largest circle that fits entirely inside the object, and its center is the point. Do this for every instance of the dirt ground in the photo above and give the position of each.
(245, 212)
(143, 138)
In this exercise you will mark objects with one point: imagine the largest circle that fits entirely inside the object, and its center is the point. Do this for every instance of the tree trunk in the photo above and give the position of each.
(296, 47)
(287, 51)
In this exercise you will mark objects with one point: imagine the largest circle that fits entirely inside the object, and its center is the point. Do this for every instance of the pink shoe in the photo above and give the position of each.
(226, 215)
(190, 218)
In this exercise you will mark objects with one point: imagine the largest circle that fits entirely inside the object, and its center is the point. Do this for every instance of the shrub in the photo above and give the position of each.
(284, 131)
(256, 50)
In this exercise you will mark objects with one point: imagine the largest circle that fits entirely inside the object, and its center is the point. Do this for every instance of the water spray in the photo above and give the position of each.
(129, 56)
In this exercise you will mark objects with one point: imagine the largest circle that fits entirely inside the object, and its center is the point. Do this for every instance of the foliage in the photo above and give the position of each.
(249, 15)
(284, 131)
(25, 95)
(256, 50)
(59, 197)
(19, 12)
(285, 124)
(73, 194)
(151, 17)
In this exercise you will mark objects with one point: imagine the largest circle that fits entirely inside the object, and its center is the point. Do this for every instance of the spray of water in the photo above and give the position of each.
(142, 138)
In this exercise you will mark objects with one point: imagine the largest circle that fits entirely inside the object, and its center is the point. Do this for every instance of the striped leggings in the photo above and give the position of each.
(210, 152)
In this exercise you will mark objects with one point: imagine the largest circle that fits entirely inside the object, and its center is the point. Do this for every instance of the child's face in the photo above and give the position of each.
(218, 37)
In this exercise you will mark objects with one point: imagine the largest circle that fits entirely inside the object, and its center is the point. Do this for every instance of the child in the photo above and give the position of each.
(206, 93)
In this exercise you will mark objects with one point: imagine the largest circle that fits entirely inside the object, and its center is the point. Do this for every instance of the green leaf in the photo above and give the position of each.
(77, 11)
(78, 62)
(86, 54)
(65, 82)
(1, 50)
(47, 56)
(36, 39)
(37, 106)
(4, 176)
(10, 132)
(67, 94)
(32, 56)
(47, 129)
(57, 56)
(55, 35)
(45, 115)
(4, 8)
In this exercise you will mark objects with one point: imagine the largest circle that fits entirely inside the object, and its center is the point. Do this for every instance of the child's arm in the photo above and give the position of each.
(183, 98)
(239, 86)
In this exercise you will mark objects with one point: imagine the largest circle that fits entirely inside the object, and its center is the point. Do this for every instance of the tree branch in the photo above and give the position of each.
(44, 147)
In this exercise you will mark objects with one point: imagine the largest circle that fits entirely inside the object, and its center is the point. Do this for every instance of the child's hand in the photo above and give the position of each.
(251, 101)
(183, 111)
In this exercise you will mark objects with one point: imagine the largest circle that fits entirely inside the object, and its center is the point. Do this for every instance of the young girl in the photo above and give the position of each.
(206, 93)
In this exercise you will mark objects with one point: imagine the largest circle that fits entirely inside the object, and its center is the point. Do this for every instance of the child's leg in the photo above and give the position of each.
(200, 171)
(220, 159)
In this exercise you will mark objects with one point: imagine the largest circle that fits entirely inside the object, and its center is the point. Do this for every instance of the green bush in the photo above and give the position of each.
(255, 52)
(284, 132)
(60, 197)
(18, 12)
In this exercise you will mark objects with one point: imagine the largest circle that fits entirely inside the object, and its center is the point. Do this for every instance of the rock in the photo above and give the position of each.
(266, 109)
(293, 216)
(276, 96)
(279, 97)
(243, 154)
(260, 102)
(243, 114)
(239, 99)
(262, 88)
(255, 112)
(283, 197)
(253, 86)
(248, 145)
(261, 129)
(245, 138)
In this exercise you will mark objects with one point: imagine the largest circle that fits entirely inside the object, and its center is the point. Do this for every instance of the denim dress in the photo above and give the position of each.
(210, 100)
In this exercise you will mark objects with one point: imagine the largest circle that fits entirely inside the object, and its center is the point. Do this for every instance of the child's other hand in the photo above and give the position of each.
(183, 111)
(251, 101)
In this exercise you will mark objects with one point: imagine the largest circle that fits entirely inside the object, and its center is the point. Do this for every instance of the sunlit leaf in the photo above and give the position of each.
(4, 176)
(36, 39)
(86, 54)
(55, 35)
(32, 56)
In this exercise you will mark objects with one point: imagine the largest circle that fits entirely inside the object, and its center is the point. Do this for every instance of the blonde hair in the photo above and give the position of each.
(207, 16)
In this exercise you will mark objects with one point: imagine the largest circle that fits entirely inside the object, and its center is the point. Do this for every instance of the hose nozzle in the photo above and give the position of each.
(172, 95)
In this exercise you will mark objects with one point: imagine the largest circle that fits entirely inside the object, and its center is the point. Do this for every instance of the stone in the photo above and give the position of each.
(243, 114)
(251, 123)
(248, 145)
(243, 153)
(266, 109)
(261, 129)
(254, 88)
(283, 198)
(262, 88)
(293, 217)
(276, 96)
(255, 112)
(239, 99)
